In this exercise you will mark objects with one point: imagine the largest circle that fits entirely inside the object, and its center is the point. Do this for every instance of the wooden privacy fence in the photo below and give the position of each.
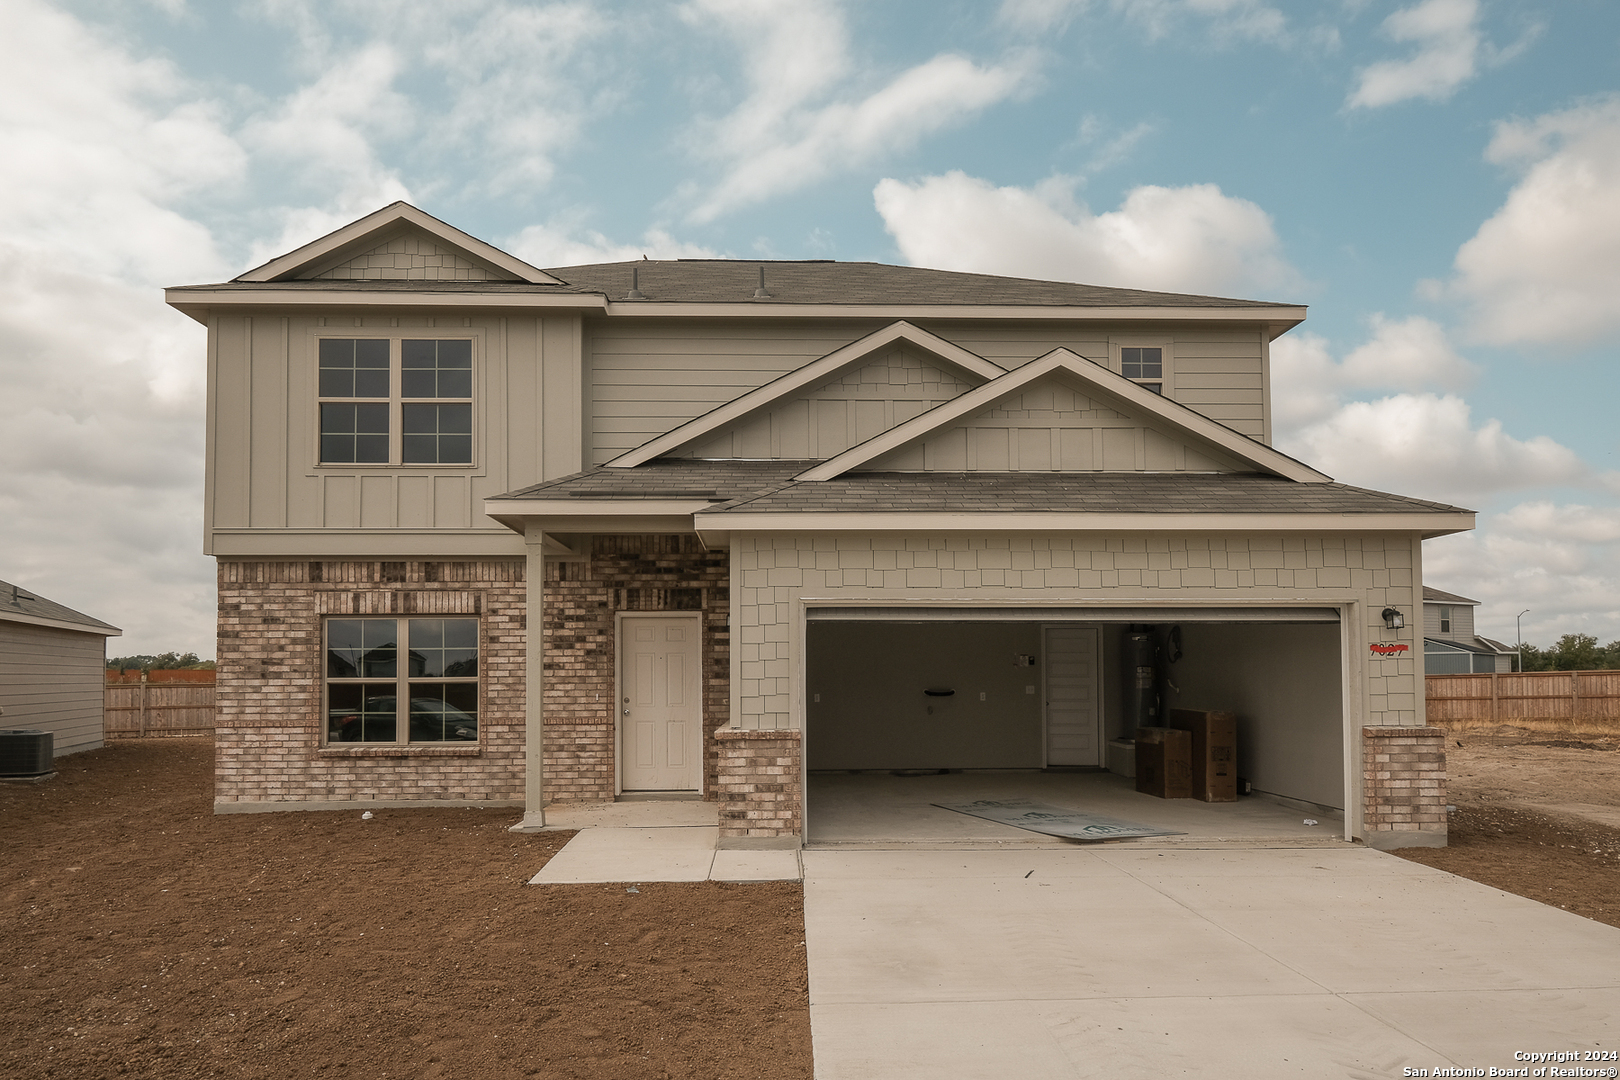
(158, 706)
(1554, 698)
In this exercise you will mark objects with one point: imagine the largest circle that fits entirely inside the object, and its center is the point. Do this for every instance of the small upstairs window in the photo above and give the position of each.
(1445, 620)
(392, 401)
(1144, 366)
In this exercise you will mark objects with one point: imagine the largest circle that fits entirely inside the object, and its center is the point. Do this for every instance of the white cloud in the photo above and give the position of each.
(1417, 442)
(567, 244)
(1448, 47)
(1544, 271)
(1309, 385)
(1561, 561)
(1218, 21)
(802, 120)
(1187, 239)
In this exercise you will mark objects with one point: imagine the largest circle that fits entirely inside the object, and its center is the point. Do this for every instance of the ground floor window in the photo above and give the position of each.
(401, 680)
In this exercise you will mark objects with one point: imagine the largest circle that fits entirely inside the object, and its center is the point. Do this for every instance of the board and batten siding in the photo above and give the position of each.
(773, 575)
(264, 472)
(52, 680)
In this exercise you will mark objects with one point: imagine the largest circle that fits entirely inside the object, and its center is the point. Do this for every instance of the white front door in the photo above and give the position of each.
(661, 718)
(1073, 714)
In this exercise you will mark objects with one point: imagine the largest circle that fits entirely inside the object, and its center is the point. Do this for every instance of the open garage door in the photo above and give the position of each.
(905, 690)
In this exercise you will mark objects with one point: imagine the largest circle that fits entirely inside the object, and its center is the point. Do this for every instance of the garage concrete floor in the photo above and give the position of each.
(881, 809)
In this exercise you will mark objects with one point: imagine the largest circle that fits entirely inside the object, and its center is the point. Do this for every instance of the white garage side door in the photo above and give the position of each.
(661, 718)
(1073, 716)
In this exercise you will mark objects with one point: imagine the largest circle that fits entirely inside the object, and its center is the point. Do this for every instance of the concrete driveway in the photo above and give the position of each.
(1136, 961)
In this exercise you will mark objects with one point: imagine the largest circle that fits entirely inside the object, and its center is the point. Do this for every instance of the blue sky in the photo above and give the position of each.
(1439, 181)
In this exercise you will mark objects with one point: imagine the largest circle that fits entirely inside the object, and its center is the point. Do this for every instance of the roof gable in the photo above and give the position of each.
(1158, 432)
(398, 242)
(830, 404)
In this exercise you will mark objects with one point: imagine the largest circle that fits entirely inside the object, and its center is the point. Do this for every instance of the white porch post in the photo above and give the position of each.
(534, 683)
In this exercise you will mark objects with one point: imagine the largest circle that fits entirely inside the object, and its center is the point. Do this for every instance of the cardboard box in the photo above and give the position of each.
(1164, 762)
(1214, 752)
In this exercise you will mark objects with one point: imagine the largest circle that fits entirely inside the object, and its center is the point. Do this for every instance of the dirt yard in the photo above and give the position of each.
(1538, 814)
(145, 937)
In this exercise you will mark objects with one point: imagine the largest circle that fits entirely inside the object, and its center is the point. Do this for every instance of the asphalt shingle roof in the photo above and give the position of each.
(16, 600)
(768, 487)
(731, 281)
(1445, 597)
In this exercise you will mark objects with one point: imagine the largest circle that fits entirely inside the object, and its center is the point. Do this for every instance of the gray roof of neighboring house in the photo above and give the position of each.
(18, 601)
(1436, 596)
(730, 281)
(767, 487)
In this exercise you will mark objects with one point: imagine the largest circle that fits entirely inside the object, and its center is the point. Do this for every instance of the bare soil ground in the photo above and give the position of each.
(143, 936)
(1537, 814)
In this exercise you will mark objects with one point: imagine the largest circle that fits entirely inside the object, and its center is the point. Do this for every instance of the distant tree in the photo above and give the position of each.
(1573, 652)
(169, 661)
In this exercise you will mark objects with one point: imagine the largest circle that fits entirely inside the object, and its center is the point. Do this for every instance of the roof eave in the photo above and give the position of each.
(198, 302)
(1278, 319)
(100, 629)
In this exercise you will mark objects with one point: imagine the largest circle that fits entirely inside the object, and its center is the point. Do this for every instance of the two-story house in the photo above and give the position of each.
(1450, 646)
(489, 533)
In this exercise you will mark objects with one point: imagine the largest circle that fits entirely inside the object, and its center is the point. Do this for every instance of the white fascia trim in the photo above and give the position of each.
(60, 624)
(561, 509)
(1279, 319)
(1094, 376)
(809, 375)
(203, 299)
(381, 221)
(1435, 524)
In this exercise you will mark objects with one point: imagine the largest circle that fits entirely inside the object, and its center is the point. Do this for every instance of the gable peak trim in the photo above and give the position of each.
(808, 376)
(1096, 377)
(376, 228)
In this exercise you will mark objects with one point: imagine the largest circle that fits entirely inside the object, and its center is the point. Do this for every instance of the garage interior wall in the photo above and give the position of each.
(1283, 680)
(872, 711)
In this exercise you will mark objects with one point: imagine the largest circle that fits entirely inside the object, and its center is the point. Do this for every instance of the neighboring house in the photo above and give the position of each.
(1450, 646)
(772, 518)
(53, 663)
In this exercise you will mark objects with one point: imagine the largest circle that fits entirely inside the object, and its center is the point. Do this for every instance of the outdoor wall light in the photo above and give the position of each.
(1393, 618)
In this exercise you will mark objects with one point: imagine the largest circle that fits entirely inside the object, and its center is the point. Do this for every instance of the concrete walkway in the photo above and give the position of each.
(1135, 961)
(653, 841)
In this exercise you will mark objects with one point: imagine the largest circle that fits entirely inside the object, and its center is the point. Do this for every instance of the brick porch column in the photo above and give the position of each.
(1403, 787)
(760, 789)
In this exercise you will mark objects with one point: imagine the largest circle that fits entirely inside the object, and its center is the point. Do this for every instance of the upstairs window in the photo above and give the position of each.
(392, 401)
(1144, 366)
(1445, 620)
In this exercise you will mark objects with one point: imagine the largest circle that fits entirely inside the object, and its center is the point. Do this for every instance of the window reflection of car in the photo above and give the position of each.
(432, 720)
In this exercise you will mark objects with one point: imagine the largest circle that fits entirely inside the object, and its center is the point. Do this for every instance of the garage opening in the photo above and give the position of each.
(906, 708)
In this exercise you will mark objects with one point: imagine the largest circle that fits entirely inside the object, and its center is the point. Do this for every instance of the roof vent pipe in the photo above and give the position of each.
(635, 292)
(760, 293)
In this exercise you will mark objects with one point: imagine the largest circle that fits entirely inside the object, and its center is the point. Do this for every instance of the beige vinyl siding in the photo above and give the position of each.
(1462, 621)
(897, 383)
(1221, 374)
(263, 467)
(651, 375)
(52, 680)
(1052, 426)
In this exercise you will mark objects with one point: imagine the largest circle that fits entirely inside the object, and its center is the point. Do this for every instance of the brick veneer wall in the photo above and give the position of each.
(1404, 787)
(624, 573)
(268, 727)
(760, 790)
(268, 699)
